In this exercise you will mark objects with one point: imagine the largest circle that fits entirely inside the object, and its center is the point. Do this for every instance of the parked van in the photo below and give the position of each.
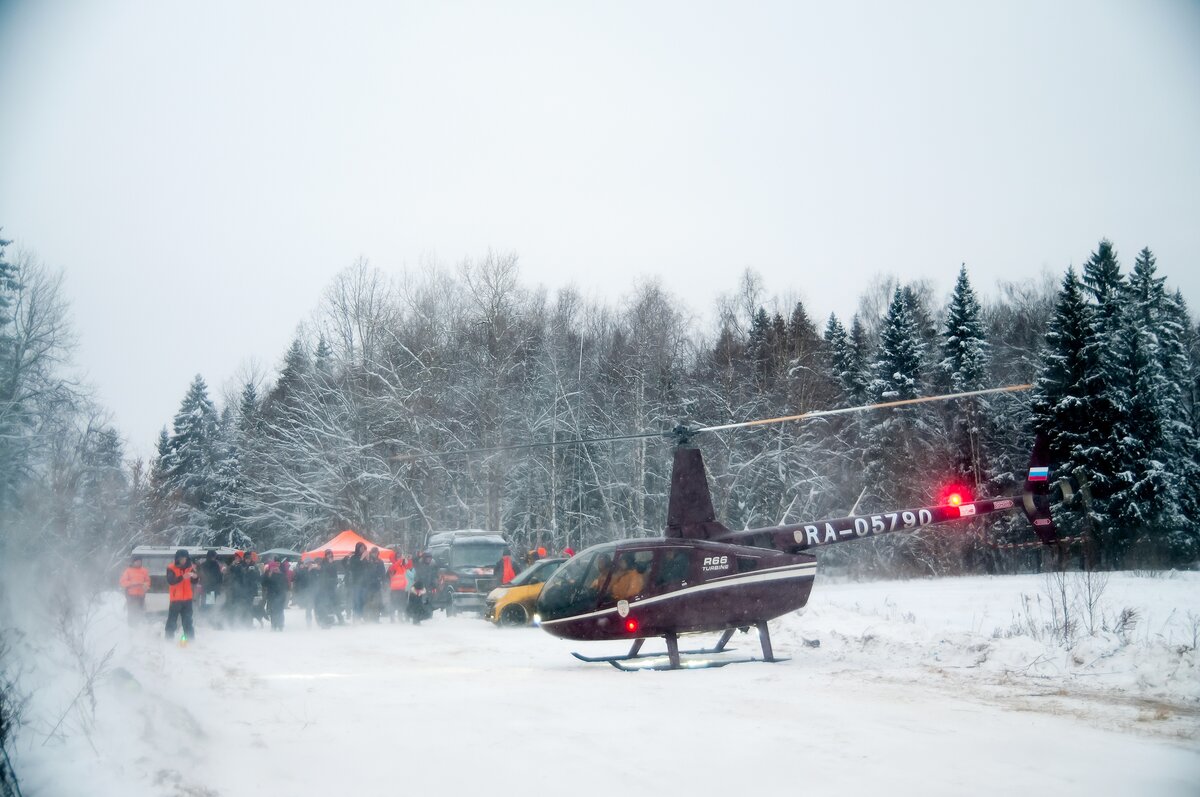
(465, 561)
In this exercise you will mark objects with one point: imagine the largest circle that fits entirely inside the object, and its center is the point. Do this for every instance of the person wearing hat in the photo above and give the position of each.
(180, 576)
(503, 571)
(275, 593)
(136, 582)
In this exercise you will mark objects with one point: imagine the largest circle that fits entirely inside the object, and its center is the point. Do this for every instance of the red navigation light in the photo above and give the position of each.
(955, 495)
(631, 625)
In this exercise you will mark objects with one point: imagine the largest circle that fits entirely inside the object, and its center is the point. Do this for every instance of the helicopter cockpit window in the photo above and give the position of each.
(577, 585)
(630, 571)
(673, 571)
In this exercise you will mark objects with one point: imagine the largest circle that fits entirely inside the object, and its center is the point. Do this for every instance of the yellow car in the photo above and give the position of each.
(512, 604)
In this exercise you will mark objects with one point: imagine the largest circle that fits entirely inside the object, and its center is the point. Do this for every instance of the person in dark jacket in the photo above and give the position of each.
(326, 598)
(373, 576)
(210, 580)
(180, 577)
(424, 580)
(275, 592)
(356, 571)
(304, 587)
(243, 589)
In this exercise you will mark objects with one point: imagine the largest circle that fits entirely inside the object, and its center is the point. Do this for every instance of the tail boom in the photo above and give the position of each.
(814, 534)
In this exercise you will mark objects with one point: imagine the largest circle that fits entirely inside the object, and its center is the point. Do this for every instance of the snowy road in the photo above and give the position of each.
(906, 694)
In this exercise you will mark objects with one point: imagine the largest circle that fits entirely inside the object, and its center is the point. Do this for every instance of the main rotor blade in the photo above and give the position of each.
(846, 410)
(525, 446)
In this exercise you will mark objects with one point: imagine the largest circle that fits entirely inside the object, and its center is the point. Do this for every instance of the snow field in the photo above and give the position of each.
(916, 688)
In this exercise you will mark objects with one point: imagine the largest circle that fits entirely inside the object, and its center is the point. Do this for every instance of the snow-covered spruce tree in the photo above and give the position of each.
(837, 344)
(848, 355)
(1184, 370)
(227, 505)
(1158, 447)
(102, 505)
(898, 441)
(965, 357)
(920, 298)
(157, 500)
(759, 345)
(892, 438)
(862, 352)
(189, 466)
(1106, 406)
(1061, 390)
(968, 422)
(843, 434)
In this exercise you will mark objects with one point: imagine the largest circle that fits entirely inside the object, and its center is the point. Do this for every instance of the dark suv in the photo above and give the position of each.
(465, 561)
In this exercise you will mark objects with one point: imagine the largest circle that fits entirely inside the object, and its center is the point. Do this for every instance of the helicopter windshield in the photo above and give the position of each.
(577, 586)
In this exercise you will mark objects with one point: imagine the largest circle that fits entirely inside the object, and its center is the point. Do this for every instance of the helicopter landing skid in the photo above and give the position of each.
(676, 659)
(637, 646)
(663, 662)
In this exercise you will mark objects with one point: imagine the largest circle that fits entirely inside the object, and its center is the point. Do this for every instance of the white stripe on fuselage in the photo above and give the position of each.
(805, 570)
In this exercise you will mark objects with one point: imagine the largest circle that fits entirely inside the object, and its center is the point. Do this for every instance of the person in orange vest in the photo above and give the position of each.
(398, 586)
(504, 571)
(135, 581)
(180, 575)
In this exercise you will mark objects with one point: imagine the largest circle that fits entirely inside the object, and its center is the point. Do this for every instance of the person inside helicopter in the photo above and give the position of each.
(602, 569)
(629, 578)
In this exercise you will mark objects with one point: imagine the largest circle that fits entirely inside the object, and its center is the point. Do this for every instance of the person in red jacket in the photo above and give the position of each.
(180, 575)
(135, 581)
(504, 572)
(398, 586)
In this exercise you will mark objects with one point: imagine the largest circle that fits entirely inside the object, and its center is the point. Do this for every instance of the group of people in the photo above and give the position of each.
(361, 587)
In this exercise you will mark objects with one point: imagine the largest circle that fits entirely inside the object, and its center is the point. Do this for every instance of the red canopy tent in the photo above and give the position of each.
(343, 545)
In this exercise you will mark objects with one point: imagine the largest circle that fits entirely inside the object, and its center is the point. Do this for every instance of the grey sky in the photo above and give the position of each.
(201, 171)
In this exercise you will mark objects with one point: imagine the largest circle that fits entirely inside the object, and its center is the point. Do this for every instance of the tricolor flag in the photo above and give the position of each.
(1039, 474)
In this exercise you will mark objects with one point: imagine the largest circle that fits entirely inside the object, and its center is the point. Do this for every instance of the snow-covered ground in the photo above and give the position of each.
(917, 687)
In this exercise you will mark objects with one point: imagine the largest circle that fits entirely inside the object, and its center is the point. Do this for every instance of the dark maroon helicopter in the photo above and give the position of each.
(702, 577)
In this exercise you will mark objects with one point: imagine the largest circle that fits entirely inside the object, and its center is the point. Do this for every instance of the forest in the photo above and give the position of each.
(379, 407)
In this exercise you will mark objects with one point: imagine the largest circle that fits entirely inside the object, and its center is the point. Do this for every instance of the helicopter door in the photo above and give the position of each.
(674, 569)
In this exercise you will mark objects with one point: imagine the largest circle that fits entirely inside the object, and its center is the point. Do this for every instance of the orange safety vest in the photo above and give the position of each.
(399, 580)
(509, 574)
(135, 581)
(183, 590)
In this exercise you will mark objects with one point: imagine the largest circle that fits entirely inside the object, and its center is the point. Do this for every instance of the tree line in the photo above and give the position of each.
(395, 407)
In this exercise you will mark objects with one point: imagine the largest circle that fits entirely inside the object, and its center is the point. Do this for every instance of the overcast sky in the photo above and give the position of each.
(200, 171)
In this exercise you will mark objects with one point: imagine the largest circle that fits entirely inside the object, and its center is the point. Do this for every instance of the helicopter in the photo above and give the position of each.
(702, 577)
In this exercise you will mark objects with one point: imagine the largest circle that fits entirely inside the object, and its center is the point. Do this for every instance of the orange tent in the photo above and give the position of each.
(343, 545)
